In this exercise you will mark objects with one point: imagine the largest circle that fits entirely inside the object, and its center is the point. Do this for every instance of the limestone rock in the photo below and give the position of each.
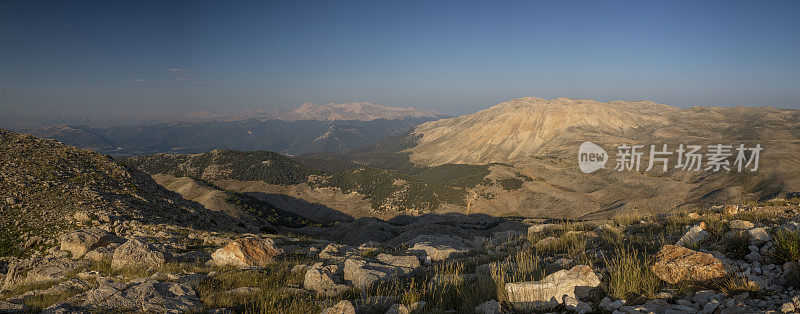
(694, 235)
(550, 291)
(82, 241)
(343, 307)
(759, 236)
(8, 307)
(337, 251)
(438, 247)
(324, 279)
(135, 254)
(489, 307)
(546, 243)
(247, 252)
(144, 295)
(81, 216)
(730, 209)
(363, 274)
(741, 224)
(675, 264)
(397, 309)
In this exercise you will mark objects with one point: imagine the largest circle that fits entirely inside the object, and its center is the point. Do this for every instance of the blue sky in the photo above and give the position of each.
(453, 56)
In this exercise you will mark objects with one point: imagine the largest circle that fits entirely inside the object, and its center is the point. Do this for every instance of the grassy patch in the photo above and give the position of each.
(629, 276)
(787, 246)
(737, 245)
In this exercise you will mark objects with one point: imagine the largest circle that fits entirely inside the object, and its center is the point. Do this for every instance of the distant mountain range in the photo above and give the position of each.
(310, 128)
(520, 158)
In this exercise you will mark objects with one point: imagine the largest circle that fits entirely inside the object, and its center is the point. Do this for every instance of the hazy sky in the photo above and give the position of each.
(452, 56)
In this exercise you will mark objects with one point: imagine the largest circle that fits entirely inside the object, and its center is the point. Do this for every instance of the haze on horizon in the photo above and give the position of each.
(456, 57)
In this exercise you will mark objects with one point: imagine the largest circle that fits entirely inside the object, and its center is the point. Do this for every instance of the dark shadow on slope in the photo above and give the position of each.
(314, 211)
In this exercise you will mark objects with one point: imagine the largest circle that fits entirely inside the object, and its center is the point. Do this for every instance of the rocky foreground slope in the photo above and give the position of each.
(734, 259)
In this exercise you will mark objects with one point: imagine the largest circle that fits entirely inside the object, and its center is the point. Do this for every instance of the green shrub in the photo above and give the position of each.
(787, 246)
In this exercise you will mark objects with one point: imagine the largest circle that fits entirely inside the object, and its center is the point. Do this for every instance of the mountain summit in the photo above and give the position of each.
(363, 111)
(526, 127)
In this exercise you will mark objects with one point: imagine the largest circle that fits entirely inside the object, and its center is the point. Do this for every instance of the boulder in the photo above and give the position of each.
(81, 216)
(362, 273)
(337, 251)
(546, 243)
(343, 307)
(541, 228)
(247, 252)
(40, 270)
(8, 307)
(741, 224)
(397, 309)
(551, 291)
(136, 254)
(324, 279)
(402, 261)
(759, 236)
(144, 295)
(489, 307)
(730, 209)
(694, 235)
(82, 241)
(438, 247)
(674, 264)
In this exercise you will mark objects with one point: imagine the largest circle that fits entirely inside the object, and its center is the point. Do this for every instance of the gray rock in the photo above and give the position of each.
(144, 294)
(546, 243)
(343, 307)
(489, 307)
(82, 241)
(337, 251)
(576, 305)
(397, 309)
(741, 224)
(362, 273)
(532, 230)
(135, 254)
(81, 216)
(417, 306)
(759, 236)
(438, 247)
(8, 307)
(703, 296)
(324, 279)
(550, 291)
(693, 236)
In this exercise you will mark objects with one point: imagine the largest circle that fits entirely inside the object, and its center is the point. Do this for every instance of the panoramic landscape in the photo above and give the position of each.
(419, 157)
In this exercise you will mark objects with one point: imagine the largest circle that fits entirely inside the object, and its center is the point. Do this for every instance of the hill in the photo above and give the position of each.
(48, 188)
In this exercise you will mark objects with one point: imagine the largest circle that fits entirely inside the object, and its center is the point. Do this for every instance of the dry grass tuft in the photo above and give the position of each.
(629, 276)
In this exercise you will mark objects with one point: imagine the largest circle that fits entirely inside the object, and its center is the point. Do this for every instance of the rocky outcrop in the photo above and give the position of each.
(362, 273)
(553, 289)
(326, 280)
(38, 270)
(674, 264)
(144, 295)
(247, 252)
(136, 254)
(693, 236)
(438, 247)
(82, 241)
